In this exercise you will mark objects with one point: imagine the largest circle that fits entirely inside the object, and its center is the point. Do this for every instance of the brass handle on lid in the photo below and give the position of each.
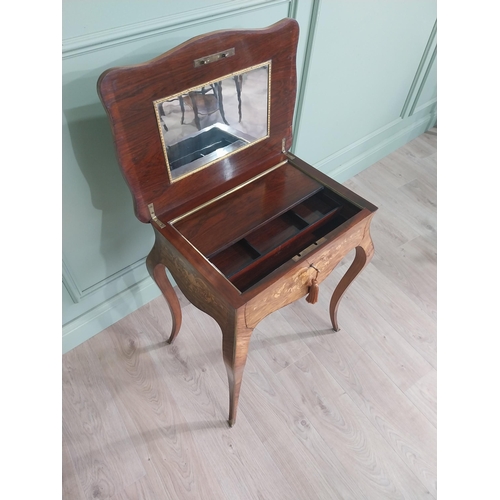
(202, 61)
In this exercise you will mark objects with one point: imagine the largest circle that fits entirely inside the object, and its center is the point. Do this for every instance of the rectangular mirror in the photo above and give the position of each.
(200, 126)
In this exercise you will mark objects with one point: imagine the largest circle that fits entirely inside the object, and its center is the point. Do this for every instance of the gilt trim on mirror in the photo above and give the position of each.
(202, 125)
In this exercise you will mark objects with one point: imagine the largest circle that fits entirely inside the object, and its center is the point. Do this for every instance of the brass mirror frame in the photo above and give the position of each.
(242, 147)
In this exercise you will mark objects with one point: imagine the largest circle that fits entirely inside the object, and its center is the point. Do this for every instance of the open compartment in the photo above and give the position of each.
(261, 251)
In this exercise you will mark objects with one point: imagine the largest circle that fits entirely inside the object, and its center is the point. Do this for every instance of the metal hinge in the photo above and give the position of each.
(153, 216)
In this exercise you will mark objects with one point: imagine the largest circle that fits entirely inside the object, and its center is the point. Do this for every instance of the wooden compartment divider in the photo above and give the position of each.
(256, 254)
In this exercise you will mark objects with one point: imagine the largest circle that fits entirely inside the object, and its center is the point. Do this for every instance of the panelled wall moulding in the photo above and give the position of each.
(77, 294)
(114, 36)
(421, 74)
(416, 106)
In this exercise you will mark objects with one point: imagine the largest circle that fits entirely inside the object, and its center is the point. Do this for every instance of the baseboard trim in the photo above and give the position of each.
(344, 171)
(109, 312)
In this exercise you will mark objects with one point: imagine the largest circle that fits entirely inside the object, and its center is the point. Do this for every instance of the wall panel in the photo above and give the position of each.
(362, 65)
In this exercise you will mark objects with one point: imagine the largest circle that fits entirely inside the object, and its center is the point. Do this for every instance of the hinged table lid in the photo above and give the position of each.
(203, 117)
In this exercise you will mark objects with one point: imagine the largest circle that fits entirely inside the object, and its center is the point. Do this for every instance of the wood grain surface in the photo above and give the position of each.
(127, 93)
(325, 415)
(229, 219)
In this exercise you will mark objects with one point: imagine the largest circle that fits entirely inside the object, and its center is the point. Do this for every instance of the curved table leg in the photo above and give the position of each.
(235, 341)
(157, 272)
(364, 253)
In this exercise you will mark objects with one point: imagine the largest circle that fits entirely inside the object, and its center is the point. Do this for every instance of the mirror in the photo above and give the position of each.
(202, 125)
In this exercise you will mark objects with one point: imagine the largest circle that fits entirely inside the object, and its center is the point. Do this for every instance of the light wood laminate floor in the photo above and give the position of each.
(322, 415)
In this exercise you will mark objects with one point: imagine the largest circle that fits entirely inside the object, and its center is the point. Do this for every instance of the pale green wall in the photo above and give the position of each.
(367, 85)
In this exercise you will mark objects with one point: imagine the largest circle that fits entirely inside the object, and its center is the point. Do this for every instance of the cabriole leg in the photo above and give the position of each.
(157, 272)
(364, 253)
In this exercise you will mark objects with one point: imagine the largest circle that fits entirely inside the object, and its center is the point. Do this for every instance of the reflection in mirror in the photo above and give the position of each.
(202, 125)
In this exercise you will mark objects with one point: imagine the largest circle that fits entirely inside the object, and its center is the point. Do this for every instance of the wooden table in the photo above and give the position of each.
(253, 230)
